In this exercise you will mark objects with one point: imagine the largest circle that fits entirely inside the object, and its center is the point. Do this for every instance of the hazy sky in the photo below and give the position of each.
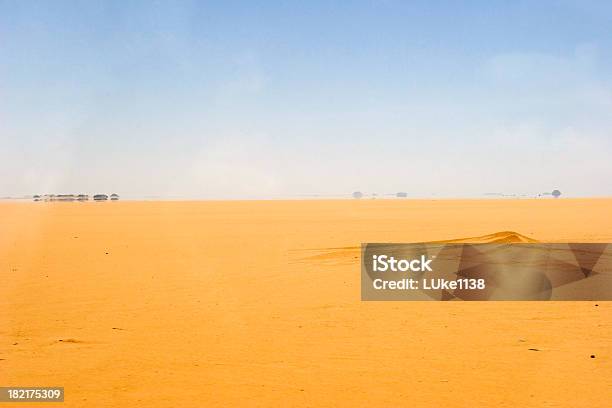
(268, 99)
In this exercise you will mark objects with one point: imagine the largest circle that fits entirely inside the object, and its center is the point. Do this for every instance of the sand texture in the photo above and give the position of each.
(257, 303)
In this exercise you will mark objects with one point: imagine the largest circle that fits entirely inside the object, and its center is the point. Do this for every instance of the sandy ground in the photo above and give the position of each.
(192, 304)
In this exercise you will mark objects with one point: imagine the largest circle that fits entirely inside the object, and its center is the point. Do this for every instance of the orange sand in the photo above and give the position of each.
(193, 304)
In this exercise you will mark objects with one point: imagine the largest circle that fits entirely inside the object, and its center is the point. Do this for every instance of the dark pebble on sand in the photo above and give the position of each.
(592, 355)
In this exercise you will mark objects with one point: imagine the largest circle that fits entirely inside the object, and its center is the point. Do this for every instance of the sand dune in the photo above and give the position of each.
(166, 304)
(502, 237)
(348, 254)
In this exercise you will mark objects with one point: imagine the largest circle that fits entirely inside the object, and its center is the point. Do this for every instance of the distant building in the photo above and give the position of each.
(401, 195)
(357, 195)
(100, 197)
(114, 197)
(64, 197)
(82, 197)
(36, 197)
(556, 193)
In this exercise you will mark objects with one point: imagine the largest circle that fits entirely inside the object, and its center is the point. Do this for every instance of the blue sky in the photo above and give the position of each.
(281, 99)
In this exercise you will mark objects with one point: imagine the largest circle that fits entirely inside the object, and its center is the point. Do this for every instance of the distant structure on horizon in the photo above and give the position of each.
(556, 193)
(401, 194)
(65, 197)
(74, 197)
(357, 195)
(60, 197)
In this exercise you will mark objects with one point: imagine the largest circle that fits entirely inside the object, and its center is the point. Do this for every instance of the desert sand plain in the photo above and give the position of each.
(257, 303)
